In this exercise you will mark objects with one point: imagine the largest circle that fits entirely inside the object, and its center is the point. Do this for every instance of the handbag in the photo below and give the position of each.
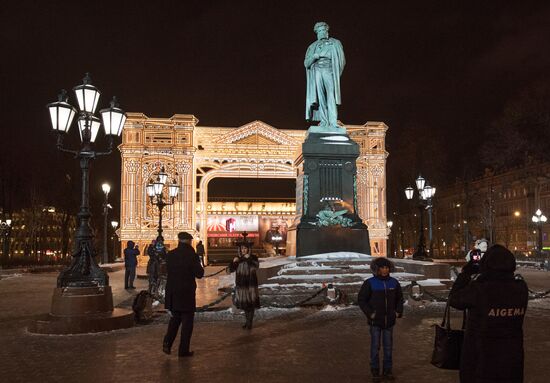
(448, 343)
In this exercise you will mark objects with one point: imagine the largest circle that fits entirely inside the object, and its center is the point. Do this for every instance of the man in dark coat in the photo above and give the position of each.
(496, 301)
(381, 299)
(130, 263)
(183, 266)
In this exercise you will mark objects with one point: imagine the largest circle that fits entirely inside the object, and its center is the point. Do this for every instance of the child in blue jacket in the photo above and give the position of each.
(381, 299)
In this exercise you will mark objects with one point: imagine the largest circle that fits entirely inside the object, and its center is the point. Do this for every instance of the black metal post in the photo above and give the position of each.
(83, 270)
(114, 246)
(160, 204)
(420, 252)
(5, 231)
(105, 216)
(430, 232)
(539, 238)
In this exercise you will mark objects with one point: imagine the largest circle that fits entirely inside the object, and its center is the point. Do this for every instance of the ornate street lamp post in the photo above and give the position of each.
(106, 206)
(539, 219)
(114, 225)
(276, 239)
(5, 231)
(83, 299)
(155, 192)
(83, 271)
(389, 224)
(425, 195)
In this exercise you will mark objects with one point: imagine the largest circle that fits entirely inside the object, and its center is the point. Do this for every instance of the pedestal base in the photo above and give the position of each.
(77, 310)
(319, 240)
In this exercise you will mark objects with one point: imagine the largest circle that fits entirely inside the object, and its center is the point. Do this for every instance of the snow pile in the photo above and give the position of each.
(431, 282)
(10, 276)
(341, 255)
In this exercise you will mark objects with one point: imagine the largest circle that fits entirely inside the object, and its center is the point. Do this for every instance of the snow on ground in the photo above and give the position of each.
(313, 266)
(337, 255)
(9, 276)
(275, 261)
(430, 282)
(312, 277)
(330, 308)
(238, 315)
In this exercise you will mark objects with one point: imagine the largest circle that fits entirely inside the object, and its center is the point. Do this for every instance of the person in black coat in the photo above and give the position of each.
(381, 299)
(246, 296)
(130, 263)
(496, 301)
(183, 266)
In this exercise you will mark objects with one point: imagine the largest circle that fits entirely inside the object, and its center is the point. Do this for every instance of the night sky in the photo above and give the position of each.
(439, 72)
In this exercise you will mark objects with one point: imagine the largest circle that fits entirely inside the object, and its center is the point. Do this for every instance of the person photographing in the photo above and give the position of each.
(496, 301)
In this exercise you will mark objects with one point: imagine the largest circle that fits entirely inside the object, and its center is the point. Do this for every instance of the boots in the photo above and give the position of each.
(375, 374)
(387, 374)
(249, 317)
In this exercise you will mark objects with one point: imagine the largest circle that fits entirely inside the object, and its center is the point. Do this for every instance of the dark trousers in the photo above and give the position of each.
(381, 335)
(249, 315)
(186, 321)
(129, 276)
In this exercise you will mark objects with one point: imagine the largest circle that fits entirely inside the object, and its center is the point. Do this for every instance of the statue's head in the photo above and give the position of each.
(321, 28)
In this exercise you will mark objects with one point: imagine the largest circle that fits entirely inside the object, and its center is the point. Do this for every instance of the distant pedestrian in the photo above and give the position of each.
(246, 296)
(381, 299)
(130, 263)
(183, 266)
(200, 252)
(496, 301)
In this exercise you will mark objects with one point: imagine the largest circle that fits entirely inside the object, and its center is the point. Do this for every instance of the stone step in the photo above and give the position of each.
(312, 270)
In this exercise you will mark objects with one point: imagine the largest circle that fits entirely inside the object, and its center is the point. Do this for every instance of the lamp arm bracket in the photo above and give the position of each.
(98, 154)
(62, 149)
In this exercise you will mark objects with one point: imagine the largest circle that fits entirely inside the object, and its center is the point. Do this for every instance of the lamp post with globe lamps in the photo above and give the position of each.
(389, 224)
(5, 231)
(114, 225)
(155, 192)
(83, 299)
(83, 270)
(425, 195)
(539, 219)
(106, 206)
(276, 239)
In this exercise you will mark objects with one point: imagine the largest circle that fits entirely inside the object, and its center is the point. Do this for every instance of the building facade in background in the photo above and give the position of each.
(496, 206)
(194, 155)
(37, 235)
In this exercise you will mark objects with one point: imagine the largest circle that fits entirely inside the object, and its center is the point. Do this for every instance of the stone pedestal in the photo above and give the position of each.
(326, 198)
(77, 310)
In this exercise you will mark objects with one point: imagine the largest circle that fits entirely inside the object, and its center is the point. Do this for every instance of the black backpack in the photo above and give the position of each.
(143, 306)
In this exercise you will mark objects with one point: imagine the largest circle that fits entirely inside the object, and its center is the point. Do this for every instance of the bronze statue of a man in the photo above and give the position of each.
(324, 64)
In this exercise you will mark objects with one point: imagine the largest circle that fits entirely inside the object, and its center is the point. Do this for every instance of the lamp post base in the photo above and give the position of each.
(83, 271)
(78, 310)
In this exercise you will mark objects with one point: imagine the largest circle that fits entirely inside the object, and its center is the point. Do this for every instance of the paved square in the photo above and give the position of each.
(301, 345)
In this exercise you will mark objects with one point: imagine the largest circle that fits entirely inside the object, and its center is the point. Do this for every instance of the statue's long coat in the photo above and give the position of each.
(338, 61)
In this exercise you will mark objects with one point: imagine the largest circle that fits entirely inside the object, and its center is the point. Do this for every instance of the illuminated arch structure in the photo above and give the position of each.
(194, 155)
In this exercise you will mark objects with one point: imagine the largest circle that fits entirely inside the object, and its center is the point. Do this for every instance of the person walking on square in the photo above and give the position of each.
(183, 267)
(200, 252)
(130, 263)
(496, 301)
(246, 296)
(381, 299)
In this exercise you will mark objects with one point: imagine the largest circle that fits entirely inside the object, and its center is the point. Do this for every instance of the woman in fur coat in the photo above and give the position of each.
(246, 296)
